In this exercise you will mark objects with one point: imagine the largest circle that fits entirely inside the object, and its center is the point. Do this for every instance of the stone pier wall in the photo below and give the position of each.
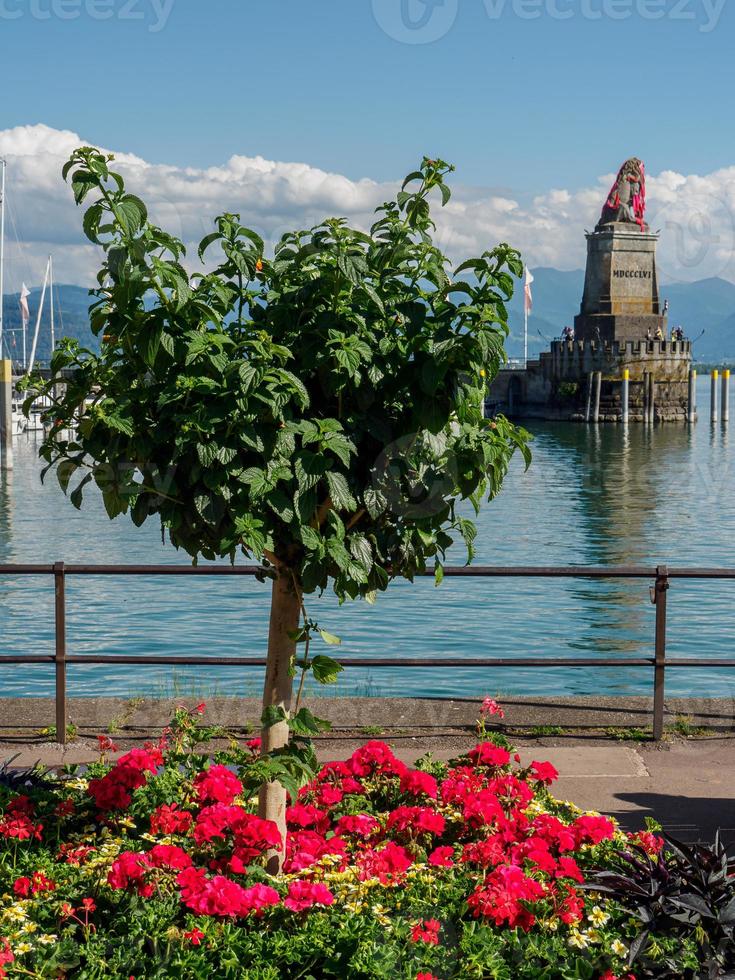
(555, 386)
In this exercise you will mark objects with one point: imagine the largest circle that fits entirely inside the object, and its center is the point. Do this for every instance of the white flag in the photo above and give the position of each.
(24, 311)
(527, 297)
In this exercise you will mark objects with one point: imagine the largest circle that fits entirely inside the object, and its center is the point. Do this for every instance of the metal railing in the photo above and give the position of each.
(660, 575)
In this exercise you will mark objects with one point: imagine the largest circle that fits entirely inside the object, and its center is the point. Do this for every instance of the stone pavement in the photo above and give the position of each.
(687, 784)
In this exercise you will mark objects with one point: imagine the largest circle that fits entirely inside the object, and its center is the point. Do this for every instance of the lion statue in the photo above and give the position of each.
(627, 198)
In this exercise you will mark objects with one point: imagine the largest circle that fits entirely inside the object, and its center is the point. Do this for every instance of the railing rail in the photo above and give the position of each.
(661, 576)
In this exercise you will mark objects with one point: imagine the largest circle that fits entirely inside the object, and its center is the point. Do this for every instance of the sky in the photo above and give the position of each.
(291, 109)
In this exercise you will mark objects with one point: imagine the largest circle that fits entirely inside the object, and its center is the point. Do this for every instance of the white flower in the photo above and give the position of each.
(620, 949)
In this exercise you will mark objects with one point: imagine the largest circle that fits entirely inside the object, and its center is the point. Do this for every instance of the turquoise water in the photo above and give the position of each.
(593, 495)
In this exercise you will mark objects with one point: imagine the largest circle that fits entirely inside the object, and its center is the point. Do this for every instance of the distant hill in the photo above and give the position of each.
(71, 319)
(708, 304)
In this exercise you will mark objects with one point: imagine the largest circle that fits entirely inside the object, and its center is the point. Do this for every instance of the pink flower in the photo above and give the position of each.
(303, 894)
(491, 707)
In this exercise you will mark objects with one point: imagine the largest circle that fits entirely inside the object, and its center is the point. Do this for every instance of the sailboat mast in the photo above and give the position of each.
(38, 322)
(2, 248)
(51, 300)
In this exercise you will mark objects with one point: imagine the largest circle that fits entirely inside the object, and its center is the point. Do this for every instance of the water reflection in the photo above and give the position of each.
(593, 495)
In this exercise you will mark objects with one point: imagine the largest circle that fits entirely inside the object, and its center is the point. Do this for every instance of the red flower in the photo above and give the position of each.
(426, 932)
(223, 897)
(41, 883)
(441, 857)
(218, 784)
(64, 809)
(593, 829)
(426, 976)
(168, 819)
(650, 843)
(194, 936)
(89, 904)
(169, 856)
(105, 744)
(308, 816)
(304, 894)
(388, 865)
(22, 887)
(306, 847)
(416, 820)
(499, 898)
(360, 824)
(487, 754)
(20, 827)
(128, 868)
(375, 757)
(543, 772)
(414, 782)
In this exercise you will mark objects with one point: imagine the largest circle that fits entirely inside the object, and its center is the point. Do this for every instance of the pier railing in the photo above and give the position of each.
(657, 662)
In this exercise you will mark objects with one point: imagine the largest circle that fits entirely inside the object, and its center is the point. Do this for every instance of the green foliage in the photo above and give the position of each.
(321, 410)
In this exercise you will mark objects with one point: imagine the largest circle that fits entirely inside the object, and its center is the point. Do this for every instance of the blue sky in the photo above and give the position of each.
(514, 99)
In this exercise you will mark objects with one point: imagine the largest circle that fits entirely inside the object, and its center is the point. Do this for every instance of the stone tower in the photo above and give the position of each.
(620, 349)
(621, 299)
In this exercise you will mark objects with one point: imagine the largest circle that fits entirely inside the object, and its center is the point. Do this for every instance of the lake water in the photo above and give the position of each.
(593, 495)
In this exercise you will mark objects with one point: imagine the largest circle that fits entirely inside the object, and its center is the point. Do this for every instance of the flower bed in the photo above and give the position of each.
(153, 867)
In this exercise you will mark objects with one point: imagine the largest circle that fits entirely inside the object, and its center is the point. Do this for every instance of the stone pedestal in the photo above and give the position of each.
(620, 301)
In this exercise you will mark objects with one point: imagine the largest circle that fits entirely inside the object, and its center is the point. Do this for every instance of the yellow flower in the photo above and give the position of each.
(620, 949)
(29, 927)
(577, 939)
(593, 935)
(598, 917)
(48, 939)
(22, 948)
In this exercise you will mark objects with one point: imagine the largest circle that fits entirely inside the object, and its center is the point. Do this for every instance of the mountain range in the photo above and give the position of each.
(706, 310)
(706, 305)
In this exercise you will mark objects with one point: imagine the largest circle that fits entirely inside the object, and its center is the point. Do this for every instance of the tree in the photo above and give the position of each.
(320, 411)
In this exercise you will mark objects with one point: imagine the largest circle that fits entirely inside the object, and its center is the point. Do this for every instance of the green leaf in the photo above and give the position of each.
(272, 715)
(305, 723)
(325, 669)
(438, 573)
(330, 638)
(131, 214)
(339, 491)
(65, 471)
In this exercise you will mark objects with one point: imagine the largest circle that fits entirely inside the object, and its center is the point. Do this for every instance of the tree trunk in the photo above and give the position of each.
(285, 614)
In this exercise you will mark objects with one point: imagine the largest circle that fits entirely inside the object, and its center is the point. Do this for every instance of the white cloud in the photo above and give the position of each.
(695, 213)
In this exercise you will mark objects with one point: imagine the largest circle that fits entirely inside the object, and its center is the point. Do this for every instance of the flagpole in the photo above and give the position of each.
(525, 334)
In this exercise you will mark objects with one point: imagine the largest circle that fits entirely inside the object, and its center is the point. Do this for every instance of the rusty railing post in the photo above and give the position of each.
(60, 651)
(659, 670)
